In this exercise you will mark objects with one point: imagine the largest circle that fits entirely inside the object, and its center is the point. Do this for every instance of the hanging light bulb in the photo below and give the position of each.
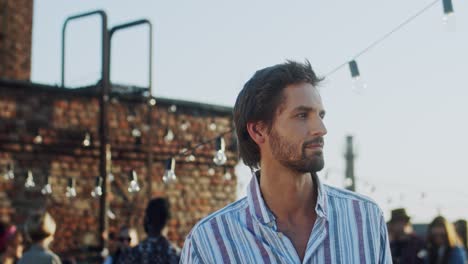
(133, 186)
(47, 189)
(9, 173)
(71, 191)
(111, 177)
(38, 138)
(348, 182)
(190, 158)
(211, 171)
(212, 126)
(152, 101)
(87, 140)
(169, 175)
(185, 125)
(220, 156)
(98, 188)
(136, 132)
(227, 175)
(358, 84)
(449, 16)
(131, 115)
(111, 214)
(172, 109)
(29, 180)
(423, 195)
(169, 135)
(389, 200)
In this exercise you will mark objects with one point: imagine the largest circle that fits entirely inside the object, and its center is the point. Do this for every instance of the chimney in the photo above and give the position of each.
(15, 39)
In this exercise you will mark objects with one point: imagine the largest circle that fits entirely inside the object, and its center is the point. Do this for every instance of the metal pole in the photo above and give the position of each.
(149, 162)
(349, 156)
(104, 147)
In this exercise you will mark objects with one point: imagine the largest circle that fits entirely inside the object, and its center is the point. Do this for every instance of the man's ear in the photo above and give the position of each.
(257, 131)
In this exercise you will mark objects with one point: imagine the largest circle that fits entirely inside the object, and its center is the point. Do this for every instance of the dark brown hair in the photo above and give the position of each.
(260, 99)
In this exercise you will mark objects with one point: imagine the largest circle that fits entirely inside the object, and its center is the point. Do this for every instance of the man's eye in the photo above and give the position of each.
(302, 115)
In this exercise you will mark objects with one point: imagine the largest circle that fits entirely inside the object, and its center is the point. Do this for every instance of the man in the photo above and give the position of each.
(288, 216)
(127, 238)
(406, 247)
(155, 249)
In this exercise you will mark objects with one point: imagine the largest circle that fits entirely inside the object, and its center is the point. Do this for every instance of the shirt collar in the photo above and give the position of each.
(263, 214)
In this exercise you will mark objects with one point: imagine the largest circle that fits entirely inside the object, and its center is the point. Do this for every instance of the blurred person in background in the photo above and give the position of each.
(126, 238)
(443, 244)
(405, 245)
(461, 227)
(155, 249)
(40, 229)
(11, 244)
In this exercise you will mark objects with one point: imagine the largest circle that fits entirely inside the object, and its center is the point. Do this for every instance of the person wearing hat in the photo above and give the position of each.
(405, 245)
(40, 228)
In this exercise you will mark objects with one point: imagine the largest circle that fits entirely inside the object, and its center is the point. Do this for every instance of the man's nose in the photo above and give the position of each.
(318, 128)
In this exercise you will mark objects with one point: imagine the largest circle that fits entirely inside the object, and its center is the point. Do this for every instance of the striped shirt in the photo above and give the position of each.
(349, 228)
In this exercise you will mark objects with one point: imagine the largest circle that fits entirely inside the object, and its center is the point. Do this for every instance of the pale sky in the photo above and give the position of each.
(408, 122)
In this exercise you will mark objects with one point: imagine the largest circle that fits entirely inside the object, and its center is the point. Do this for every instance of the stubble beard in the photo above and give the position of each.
(294, 156)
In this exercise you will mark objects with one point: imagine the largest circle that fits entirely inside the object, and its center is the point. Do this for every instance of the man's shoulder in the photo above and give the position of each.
(338, 193)
(230, 211)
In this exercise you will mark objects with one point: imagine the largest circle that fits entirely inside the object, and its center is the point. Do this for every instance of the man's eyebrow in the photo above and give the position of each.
(307, 109)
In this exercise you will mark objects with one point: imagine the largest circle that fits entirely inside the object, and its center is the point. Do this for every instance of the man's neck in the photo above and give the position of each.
(287, 193)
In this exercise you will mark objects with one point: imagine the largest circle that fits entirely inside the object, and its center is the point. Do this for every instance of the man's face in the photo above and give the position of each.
(439, 236)
(399, 227)
(124, 239)
(296, 136)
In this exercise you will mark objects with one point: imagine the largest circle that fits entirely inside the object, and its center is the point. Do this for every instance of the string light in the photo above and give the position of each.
(136, 132)
(449, 17)
(212, 126)
(185, 125)
(98, 188)
(211, 171)
(190, 158)
(111, 214)
(448, 7)
(358, 84)
(111, 177)
(384, 37)
(87, 140)
(131, 115)
(172, 109)
(71, 191)
(9, 173)
(38, 138)
(348, 182)
(29, 180)
(169, 135)
(220, 156)
(47, 189)
(152, 101)
(133, 186)
(169, 174)
(227, 175)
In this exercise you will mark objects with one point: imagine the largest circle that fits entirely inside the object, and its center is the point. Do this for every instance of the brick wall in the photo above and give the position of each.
(15, 38)
(62, 117)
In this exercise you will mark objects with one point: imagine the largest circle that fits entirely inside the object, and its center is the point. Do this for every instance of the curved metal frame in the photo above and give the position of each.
(114, 29)
(105, 43)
